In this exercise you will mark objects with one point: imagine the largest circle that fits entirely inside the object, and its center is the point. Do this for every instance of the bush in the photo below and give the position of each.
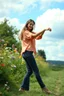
(43, 66)
(9, 60)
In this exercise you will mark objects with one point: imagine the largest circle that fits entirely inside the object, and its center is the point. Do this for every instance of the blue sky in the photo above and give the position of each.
(45, 13)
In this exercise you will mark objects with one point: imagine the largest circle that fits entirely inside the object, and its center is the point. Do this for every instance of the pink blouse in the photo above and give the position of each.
(28, 42)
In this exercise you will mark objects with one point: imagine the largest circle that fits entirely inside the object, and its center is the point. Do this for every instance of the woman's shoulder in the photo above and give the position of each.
(28, 32)
(25, 32)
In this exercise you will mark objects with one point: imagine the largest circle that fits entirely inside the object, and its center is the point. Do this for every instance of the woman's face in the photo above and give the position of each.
(30, 26)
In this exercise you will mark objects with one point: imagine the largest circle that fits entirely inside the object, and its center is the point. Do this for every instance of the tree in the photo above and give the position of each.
(42, 53)
(8, 33)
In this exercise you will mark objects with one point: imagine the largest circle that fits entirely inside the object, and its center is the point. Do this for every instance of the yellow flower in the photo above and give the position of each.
(15, 50)
(5, 44)
(20, 56)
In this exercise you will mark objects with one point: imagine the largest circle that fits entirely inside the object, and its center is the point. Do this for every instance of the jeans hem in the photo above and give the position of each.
(25, 89)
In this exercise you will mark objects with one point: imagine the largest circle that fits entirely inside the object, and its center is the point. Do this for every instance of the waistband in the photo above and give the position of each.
(29, 51)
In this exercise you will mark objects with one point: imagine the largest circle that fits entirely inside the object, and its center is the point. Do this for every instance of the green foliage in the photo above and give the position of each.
(43, 66)
(8, 34)
(9, 62)
(42, 53)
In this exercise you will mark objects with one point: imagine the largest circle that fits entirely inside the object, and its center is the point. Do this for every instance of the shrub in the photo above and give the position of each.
(9, 59)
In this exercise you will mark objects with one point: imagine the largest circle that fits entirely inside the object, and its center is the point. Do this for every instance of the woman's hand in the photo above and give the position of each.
(49, 29)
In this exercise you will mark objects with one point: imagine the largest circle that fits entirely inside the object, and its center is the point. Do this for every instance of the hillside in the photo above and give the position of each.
(55, 62)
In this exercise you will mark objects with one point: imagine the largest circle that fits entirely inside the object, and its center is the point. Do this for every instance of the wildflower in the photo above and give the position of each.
(14, 66)
(2, 65)
(6, 48)
(6, 82)
(0, 93)
(2, 40)
(11, 52)
(5, 85)
(12, 57)
(13, 46)
(5, 44)
(8, 88)
(15, 50)
(1, 57)
(20, 56)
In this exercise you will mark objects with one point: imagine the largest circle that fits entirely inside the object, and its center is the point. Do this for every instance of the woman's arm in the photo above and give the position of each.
(40, 33)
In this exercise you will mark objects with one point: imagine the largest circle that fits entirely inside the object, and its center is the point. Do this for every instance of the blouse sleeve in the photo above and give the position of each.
(39, 37)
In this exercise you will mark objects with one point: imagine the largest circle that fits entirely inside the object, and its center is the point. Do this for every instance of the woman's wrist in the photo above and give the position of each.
(44, 30)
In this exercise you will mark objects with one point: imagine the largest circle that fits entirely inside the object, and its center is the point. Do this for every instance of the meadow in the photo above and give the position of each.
(13, 69)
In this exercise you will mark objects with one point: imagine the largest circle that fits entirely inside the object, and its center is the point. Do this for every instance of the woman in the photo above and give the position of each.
(28, 38)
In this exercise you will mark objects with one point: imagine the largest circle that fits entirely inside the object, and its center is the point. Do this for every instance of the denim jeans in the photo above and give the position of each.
(31, 67)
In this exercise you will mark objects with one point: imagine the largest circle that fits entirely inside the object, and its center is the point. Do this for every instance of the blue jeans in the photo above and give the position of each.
(31, 67)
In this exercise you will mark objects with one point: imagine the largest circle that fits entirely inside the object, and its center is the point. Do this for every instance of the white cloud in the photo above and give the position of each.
(15, 22)
(53, 50)
(52, 42)
(21, 6)
(53, 18)
(47, 3)
(2, 19)
(52, 0)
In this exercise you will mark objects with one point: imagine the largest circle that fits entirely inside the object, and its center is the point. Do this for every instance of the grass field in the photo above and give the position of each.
(54, 81)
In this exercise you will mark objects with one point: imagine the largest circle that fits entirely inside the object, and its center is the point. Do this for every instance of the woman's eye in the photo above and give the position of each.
(31, 24)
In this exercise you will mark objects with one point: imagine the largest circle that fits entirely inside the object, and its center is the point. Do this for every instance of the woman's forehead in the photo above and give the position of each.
(31, 22)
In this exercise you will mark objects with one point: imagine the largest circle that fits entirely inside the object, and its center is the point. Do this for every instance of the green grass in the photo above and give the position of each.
(54, 81)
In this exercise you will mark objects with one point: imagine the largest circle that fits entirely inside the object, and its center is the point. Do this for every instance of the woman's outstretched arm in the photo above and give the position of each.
(40, 33)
